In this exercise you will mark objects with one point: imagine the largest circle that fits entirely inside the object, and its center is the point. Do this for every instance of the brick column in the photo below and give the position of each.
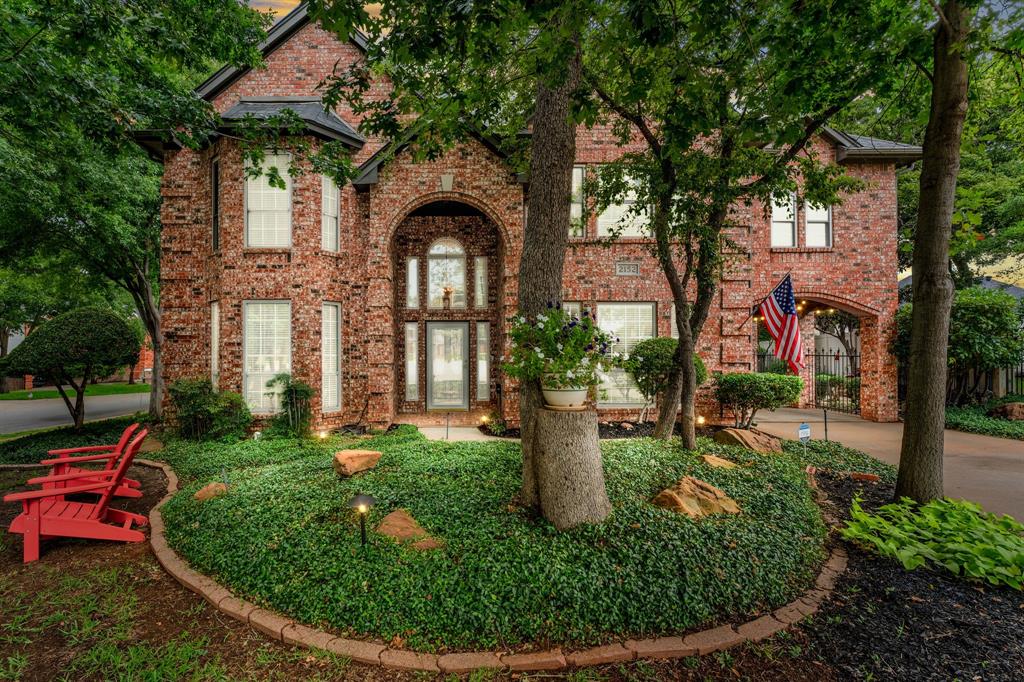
(878, 400)
(807, 373)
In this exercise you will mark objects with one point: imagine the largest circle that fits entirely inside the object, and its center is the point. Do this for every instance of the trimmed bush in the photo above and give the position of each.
(650, 364)
(744, 393)
(296, 414)
(200, 413)
(284, 537)
(952, 534)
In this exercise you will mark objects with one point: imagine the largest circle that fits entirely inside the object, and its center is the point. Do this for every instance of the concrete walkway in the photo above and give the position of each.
(470, 433)
(23, 415)
(983, 469)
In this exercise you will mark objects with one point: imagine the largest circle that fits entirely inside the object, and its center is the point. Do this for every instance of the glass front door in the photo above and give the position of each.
(447, 366)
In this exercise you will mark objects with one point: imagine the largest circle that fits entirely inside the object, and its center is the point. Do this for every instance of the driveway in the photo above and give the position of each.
(983, 469)
(23, 415)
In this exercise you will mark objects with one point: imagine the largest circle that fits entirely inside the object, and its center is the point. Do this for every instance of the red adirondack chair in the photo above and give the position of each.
(112, 453)
(47, 514)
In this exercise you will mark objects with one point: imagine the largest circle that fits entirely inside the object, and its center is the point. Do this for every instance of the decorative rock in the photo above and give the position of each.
(210, 491)
(696, 499)
(751, 439)
(626, 426)
(351, 462)
(718, 462)
(871, 478)
(1011, 411)
(401, 526)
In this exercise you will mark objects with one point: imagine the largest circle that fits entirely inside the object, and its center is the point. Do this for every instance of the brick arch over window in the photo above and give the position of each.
(878, 371)
(457, 197)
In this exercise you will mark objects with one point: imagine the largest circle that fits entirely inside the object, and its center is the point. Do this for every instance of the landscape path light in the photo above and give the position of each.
(362, 504)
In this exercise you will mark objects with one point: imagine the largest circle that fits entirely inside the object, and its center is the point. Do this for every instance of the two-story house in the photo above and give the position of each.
(391, 295)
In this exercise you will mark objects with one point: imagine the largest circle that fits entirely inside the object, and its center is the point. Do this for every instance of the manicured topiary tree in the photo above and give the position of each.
(746, 393)
(650, 364)
(75, 349)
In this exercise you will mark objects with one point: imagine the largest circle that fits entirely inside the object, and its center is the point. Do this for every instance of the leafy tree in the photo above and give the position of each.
(78, 79)
(985, 334)
(727, 99)
(843, 327)
(650, 363)
(75, 349)
(960, 32)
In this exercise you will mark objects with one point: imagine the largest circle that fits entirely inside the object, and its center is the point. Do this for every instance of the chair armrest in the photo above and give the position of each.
(87, 448)
(72, 460)
(71, 477)
(54, 492)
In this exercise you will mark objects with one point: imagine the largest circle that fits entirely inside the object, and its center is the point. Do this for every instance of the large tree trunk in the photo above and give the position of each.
(920, 472)
(546, 236)
(570, 479)
(149, 312)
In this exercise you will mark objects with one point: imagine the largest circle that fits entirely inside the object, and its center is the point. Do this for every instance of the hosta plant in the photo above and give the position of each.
(559, 349)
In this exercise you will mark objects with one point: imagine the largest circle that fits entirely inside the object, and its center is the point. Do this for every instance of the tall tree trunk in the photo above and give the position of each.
(4, 336)
(149, 312)
(131, 373)
(546, 236)
(920, 471)
(570, 479)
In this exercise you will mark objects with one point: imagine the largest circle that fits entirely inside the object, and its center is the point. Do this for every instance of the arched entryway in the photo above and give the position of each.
(447, 273)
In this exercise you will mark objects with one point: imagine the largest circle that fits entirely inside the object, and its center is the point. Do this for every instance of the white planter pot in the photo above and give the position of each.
(565, 397)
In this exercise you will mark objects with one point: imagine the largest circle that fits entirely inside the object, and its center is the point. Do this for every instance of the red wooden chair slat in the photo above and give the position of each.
(63, 459)
(45, 513)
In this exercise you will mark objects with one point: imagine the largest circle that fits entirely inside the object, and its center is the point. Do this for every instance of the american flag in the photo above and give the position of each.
(780, 317)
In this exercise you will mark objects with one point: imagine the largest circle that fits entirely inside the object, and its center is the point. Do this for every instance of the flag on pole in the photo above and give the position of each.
(780, 317)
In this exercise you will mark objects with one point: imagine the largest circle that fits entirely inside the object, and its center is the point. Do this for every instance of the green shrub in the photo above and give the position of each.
(496, 424)
(200, 413)
(744, 393)
(778, 366)
(294, 418)
(33, 447)
(284, 537)
(650, 363)
(953, 534)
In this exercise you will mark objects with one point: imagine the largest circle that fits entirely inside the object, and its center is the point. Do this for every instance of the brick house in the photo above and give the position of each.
(389, 295)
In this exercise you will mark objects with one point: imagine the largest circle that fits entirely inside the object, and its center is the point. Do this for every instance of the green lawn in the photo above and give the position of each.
(284, 537)
(94, 389)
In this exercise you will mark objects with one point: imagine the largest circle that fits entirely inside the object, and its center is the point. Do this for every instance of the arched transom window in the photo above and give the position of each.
(446, 274)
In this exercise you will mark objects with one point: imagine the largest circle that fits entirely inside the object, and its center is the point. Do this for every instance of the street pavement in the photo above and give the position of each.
(23, 415)
(983, 469)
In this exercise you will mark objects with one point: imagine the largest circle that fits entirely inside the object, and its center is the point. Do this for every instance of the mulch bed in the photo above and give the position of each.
(623, 429)
(883, 623)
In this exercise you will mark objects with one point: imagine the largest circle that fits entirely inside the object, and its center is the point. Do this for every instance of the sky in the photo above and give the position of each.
(279, 7)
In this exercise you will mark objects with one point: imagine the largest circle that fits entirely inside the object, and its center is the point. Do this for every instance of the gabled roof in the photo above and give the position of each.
(861, 147)
(324, 124)
(278, 34)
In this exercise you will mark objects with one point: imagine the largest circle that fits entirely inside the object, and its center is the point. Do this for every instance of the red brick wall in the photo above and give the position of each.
(858, 274)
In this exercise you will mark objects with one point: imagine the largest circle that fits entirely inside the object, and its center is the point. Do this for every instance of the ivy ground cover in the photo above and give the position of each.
(284, 537)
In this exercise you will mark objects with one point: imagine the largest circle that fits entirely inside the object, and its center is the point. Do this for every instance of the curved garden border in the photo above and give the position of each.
(289, 631)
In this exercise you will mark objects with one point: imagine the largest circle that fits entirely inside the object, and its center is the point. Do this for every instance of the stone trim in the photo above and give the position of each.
(289, 631)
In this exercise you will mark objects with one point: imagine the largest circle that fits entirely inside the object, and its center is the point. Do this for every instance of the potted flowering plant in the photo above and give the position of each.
(564, 352)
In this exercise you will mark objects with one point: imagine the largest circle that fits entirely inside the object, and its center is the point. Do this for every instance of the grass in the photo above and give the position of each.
(31, 447)
(93, 389)
(284, 537)
(975, 419)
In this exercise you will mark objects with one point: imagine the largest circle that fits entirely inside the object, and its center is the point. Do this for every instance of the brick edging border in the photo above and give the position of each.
(289, 631)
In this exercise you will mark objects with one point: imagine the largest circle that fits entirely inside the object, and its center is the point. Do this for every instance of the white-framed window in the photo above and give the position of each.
(629, 323)
(215, 204)
(330, 202)
(573, 308)
(621, 220)
(215, 344)
(268, 210)
(480, 282)
(673, 330)
(446, 274)
(483, 361)
(412, 283)
(330, 357)
(576, 226)
(267, 350)
(818, 226)
(784, 221)
(412, 381)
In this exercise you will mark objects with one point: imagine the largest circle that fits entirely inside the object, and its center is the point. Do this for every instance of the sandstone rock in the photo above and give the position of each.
(210, 491)
(696, 499)
(860, 476)
(718, 462)
(626, 426)
(401, 526)
(752, 439)
(351, 462)
(1011, 411)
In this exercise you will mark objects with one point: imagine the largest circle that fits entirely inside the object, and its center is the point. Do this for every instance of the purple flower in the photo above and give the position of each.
(550, 305)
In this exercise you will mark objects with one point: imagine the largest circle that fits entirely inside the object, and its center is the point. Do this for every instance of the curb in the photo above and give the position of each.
(287, 630)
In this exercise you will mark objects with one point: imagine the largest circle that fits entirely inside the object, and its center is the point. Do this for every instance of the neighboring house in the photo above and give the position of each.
(391, 296)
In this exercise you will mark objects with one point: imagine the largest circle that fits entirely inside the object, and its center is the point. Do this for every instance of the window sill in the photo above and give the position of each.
(265, 250)
(332, 254)
(802, 249)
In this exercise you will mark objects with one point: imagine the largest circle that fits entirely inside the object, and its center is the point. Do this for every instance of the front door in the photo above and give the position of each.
(447, 365)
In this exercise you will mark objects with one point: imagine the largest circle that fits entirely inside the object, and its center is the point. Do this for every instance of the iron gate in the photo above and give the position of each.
(836, 378)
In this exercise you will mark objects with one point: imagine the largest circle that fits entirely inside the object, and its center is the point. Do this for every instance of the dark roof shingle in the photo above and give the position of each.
(324, 124)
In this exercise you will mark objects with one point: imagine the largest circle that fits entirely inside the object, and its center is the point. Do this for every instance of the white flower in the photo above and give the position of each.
(585, 360)
(559, 347)
(540, 354)
(542, 318)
